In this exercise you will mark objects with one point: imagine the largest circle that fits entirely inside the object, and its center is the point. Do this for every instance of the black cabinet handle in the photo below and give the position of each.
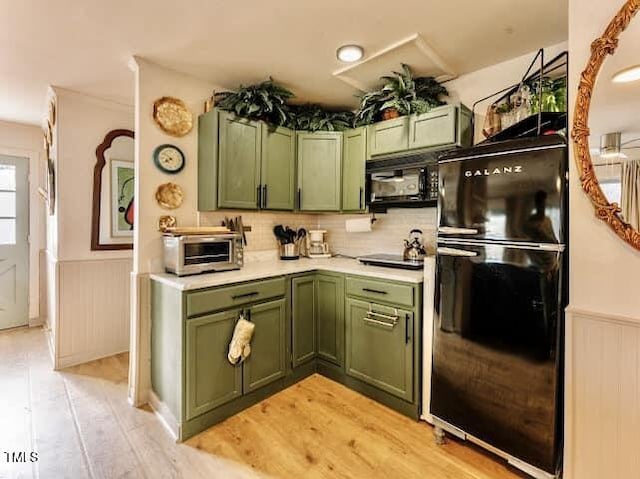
(406, 329)
(245, 295)
(299, 198)
(374, 291)
(360, 200)
(264, 196)
(259, 202)
(248, 314)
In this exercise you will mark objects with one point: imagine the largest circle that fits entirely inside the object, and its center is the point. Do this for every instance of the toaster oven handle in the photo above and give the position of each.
(245, 295)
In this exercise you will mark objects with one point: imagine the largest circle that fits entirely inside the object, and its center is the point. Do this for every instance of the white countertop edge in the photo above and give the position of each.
(270, 269)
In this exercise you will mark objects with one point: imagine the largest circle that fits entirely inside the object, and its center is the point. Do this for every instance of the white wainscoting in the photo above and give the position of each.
(602, 396)
(92, 310)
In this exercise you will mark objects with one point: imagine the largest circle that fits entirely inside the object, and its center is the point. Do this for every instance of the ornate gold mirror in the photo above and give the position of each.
(606, 126)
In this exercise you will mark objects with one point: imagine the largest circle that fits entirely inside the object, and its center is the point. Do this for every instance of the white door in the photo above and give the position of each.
(14, 246)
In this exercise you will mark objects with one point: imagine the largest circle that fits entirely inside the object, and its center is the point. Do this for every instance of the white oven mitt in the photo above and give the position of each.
(240, 345)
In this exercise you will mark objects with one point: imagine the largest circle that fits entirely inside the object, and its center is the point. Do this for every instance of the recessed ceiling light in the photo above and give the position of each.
(350, 53)
(627, 75)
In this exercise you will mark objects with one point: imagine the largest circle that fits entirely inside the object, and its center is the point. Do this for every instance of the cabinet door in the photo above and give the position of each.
(435, 128)
(354, 158)
(210, 379)
(319, 171)
(303, 319)
(379, 347)
(238, 162)
(267, 360)
(208, 161)
(330, 317)
(389, 136)
(278, 168)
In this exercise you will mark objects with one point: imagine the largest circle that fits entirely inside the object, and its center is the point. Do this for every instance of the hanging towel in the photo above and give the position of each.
(240, 345)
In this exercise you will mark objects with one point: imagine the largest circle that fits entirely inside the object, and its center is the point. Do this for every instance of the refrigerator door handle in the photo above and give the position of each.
(443, 251)
(449, 230)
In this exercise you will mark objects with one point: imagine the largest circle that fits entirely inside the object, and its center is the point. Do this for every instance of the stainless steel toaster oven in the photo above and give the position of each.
(193, 254)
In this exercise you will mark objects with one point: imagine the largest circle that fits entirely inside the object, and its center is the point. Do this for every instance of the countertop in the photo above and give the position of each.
(254, 270)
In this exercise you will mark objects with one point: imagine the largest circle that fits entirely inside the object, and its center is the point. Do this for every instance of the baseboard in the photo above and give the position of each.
(162, 412)
(69, 361)
(36, 322)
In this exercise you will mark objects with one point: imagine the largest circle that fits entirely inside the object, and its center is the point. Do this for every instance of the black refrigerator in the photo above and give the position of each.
(501, 291)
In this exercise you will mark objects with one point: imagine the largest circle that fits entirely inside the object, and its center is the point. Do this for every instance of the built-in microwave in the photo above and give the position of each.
(402, 183)
(193, 254)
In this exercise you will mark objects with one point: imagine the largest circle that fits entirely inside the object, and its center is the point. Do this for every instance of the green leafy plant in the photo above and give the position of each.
(313, 117)
(264, 101)
(403, 93)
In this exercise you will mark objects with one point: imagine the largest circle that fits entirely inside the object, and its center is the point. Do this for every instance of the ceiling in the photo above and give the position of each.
(85, 45)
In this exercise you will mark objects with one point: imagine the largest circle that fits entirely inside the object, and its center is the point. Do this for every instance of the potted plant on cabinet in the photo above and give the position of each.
(401, 94)
(265, 101)
(312, 117)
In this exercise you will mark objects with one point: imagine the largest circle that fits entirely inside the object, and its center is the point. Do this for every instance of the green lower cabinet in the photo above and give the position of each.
(380, 347)
(210, 379)
(330, 318)
(354, 158)
(319, 160)
(267, 360)
(303, 319)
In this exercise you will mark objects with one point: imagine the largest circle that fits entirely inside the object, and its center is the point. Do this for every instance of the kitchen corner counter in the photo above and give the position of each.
(271, 268)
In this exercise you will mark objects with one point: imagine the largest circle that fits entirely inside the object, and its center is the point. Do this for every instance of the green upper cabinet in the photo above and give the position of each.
(303, 319)
(239, 161)
(267, 360)
(389, 136)
(278, 168)
(208, 161)
(442, 126)
(380, 346)
(354, 157)
(319, 158)
(210, 379)
(330, 317)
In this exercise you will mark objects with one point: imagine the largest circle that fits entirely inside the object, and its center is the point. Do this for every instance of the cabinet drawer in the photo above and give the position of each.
(378, 290)
(201, 302)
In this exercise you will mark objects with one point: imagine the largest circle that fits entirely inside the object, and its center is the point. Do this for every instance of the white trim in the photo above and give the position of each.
(578, 313)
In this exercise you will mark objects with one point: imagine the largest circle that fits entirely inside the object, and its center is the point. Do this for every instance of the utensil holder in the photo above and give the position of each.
(289, 251)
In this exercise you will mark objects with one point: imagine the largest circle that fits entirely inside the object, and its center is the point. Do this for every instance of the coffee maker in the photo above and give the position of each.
(316, 245)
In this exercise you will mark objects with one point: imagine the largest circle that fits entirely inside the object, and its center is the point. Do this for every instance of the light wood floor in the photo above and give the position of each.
(81, 426)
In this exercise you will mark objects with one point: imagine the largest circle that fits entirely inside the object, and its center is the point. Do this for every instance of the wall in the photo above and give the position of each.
(26, 141)
(88, 295)
(473, 86)
(153, 82)
(387, 233)
(602, 379)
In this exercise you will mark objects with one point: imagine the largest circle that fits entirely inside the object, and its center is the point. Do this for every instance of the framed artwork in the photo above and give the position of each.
(113, 187)
(121, 204)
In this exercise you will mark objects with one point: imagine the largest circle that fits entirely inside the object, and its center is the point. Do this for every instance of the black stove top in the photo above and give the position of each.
(391, 261)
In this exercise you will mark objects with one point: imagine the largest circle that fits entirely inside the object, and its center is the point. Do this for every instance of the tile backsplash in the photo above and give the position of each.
(385, 237)
(386, 234)
(261, 237)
